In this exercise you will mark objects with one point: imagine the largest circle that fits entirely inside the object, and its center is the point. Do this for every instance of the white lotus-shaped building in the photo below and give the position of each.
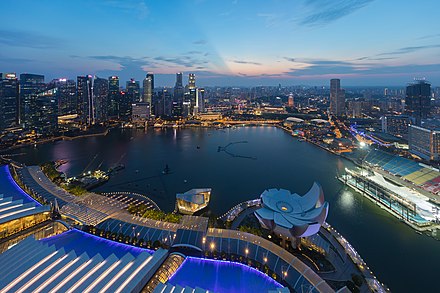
(292, 215)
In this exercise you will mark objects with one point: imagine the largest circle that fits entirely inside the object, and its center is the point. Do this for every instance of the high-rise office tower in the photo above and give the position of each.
(290, 101)
(30, 84)
(133, 90)
(84, 99)
(337, 98)
(418, 100)
(65, 95)
(44, 116)
(100, 100)
(9, 101)
(201, 100)
(179, 79)
(191, 81)
(151, 76)
(148, 89)
(163, 104)
(179, 91)
(132, 95)
(114, 97)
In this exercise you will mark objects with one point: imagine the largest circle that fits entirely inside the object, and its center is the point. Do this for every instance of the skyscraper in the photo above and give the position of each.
(30, 84)
(337, 98)
(44, 116)
(148, 89)
(84, 98)
(132, 95)
(290, 101)
(179, 79)
(201, 100)
(100, 100)
(178, 95)
(418, 100)
(9, 101)
(133, 90)
(191, 81)
(114, 97)
(65, 95)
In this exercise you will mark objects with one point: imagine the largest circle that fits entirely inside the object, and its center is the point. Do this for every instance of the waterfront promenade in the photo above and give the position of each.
(116, 211)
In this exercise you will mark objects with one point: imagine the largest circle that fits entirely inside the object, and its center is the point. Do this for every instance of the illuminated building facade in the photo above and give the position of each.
(193, 200)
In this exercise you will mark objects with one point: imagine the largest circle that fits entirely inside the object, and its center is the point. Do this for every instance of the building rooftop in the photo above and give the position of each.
(69, 263)
(292, 214)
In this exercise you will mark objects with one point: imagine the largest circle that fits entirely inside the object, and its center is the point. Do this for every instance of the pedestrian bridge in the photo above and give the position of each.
(238, 209)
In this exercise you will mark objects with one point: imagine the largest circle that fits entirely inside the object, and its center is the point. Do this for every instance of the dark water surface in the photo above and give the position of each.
(404, 260)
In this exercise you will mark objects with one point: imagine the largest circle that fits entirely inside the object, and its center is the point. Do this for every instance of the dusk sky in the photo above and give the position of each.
(253, 42)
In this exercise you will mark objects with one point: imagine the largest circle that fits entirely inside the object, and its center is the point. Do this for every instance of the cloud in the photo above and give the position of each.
(326, 11)
(137, 7)
(428, 37)
(290, 59)
(185, 60)
(347, 68)
(246, 62)
(129, 66)
(11, 60)
(200, 42)
(28, 39)
(406, 50)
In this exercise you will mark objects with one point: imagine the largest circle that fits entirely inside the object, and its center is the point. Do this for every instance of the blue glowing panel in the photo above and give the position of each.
(222, 276)
(83, 242)
(9, 188)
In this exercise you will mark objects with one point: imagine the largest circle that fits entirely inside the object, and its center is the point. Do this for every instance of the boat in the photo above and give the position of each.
(116, 168)
(166, 170)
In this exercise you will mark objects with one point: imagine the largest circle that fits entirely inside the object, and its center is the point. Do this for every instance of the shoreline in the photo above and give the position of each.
(62, 137)
(366, 195)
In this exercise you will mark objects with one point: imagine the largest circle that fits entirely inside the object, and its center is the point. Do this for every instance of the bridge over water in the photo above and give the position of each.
(235, 211)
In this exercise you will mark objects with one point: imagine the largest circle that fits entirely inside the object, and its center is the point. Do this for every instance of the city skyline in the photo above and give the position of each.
(236, 43)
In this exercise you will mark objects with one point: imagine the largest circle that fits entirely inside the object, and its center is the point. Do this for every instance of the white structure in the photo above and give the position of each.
(292, 215)
(193, 200)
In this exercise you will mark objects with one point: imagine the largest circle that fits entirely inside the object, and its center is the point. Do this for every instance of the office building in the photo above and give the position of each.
(201, 100)
(65, 95)
(290, 101)
(9, 101)
(30, 84)
(337, 98)
(140, 113)
(114, 97)
(397, 125)
(44, 115)
(100, 100)
(418, 100)
(191, 81)
(128, 97)
(84, 99)
(163, 104)
(424, 141)
(148, 89)
(133, 90)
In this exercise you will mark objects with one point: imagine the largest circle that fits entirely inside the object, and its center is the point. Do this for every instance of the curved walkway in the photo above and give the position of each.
(298, 275)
